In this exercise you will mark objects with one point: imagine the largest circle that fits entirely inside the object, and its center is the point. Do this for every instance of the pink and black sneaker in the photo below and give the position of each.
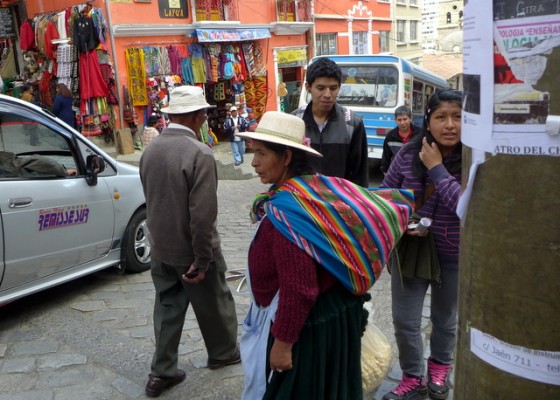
(410, 388)
(438, 376)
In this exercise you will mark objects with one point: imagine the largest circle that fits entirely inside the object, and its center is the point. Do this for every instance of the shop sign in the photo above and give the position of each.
(173, 8)
(231, 35)
(7, 30)
(292, 57)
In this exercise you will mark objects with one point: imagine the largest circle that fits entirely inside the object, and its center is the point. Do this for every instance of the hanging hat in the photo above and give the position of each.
(281, 128)
(186, 99)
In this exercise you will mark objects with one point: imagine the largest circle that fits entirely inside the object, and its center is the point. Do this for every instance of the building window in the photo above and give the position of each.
(413, 31)
(384, 43)
(448, 17)
(413, 3)
(216, 10)
(401, 2)
(326, 44)
(360, 43)
(400, 31)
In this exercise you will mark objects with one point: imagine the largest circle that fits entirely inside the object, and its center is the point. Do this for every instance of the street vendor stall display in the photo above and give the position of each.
(230, 73)
(68, 46)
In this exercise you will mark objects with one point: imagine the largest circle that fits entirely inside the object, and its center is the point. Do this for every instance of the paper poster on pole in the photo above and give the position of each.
(536, 365)
(511, 59)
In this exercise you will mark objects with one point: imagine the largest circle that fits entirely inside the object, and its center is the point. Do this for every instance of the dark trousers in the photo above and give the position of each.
(213, 306)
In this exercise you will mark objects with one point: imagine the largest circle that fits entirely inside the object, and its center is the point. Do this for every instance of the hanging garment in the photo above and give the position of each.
(110, 80)
(27, 36)
(164, 61)
(186, 71)
(260, 84)
(61, 24)
(92, 83)
(85, 34)
(136, 76)
(40, 28)
(100, 27)
(151, 60)
(51, 33)
(174, 59)
(199, 70)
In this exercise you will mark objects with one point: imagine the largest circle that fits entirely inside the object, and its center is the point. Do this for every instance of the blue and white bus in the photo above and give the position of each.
(375, 85)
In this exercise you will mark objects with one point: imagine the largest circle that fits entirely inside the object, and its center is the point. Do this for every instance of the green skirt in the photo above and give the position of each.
(326, 358)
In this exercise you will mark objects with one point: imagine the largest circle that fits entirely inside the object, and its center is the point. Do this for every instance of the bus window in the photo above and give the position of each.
(368, 86)
(417, 97)
(428, 91)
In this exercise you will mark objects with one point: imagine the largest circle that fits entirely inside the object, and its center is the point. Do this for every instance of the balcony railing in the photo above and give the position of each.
(294, 10)
(217, 10)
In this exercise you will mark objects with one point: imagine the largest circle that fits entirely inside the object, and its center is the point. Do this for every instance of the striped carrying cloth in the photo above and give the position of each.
(347, 229)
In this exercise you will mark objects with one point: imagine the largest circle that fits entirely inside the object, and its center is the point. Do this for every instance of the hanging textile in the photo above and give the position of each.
(136, 77)
(91, 79)
(85, 34)
(27, 36)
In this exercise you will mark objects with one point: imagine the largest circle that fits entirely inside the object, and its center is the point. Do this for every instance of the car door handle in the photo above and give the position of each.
(20, 202)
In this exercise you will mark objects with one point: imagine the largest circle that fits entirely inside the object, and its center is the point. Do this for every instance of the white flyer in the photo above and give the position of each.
(511, 98)
(536, 365)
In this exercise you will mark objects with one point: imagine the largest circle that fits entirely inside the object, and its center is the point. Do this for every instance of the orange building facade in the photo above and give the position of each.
(268, 47)
(352, 27)
(240, 54)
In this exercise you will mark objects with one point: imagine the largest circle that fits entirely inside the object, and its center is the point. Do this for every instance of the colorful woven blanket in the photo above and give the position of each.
(347, 229)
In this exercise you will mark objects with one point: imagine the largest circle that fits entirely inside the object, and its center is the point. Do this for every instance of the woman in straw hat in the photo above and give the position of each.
(321, 243)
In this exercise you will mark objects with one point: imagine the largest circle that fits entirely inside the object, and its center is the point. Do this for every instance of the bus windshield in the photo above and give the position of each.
(369, 85)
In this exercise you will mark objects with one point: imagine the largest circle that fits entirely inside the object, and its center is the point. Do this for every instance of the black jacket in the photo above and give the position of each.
(392, 144)
(343, 144)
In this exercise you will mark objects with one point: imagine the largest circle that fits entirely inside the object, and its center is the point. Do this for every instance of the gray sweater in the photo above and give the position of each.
(180, 183)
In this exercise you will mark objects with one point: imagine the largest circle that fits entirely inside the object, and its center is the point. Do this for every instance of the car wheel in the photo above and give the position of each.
(136, 249)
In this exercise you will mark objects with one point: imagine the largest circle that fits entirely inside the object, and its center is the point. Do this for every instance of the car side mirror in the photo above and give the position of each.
(94, 165)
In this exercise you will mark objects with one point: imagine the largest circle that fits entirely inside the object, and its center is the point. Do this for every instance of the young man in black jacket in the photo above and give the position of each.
(335, 131)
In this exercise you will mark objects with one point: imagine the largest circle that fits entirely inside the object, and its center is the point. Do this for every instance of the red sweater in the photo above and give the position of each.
(275, 264)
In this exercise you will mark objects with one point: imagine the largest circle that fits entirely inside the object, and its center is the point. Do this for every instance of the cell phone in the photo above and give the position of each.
(430, 138)
(193, 273)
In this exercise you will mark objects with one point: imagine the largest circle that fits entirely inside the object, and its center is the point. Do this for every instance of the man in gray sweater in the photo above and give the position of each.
(180, 182)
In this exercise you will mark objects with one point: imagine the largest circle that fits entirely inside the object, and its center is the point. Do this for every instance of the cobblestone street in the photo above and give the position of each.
(92, 339)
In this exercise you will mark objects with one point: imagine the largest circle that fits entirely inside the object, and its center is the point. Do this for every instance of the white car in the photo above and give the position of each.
(67, 208)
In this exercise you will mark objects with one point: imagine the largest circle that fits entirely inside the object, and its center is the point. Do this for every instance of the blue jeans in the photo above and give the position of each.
(408, 303)
(238, 149)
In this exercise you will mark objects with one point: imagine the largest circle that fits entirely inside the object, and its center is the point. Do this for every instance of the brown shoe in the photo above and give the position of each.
(157, 385)
(234, 359)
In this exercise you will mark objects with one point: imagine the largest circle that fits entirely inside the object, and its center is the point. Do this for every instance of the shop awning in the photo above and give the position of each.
(231, 35)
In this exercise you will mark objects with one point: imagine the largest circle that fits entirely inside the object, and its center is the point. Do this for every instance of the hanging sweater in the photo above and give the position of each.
(275, 264)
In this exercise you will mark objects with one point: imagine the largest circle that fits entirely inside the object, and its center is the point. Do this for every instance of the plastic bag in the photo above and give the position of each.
(377, 357)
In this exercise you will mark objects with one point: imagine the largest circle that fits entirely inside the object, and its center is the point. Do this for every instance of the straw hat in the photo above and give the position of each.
(281, 128)
(186, 99)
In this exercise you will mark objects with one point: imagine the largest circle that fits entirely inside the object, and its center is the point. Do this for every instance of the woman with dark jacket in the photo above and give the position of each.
(62, 106)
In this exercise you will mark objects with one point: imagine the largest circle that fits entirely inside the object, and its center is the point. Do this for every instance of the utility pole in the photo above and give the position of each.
(509, 281)
(509, 285)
